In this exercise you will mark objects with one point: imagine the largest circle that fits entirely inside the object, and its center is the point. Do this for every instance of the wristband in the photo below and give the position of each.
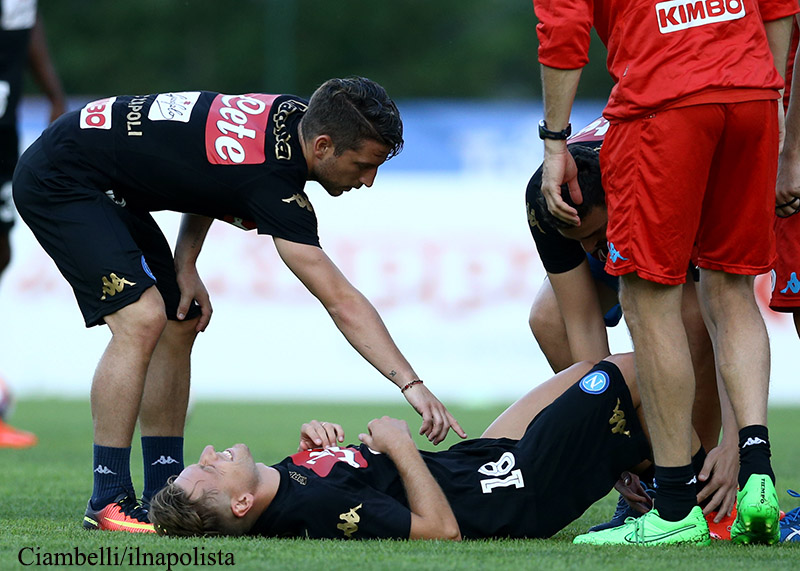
(411, 384)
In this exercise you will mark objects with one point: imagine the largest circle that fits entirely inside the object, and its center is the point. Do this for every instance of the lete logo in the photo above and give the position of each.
(235, 129)
(595, 382)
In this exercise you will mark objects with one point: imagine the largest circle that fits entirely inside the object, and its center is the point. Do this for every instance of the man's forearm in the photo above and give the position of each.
(364, 329)
(558, 93)
(192, 234)
(431, 514)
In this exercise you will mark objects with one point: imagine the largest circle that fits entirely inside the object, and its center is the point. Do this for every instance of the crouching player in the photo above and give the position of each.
(538, 467)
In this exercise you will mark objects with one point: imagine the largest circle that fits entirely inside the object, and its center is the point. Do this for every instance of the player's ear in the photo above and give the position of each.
(241, 504)
(322, 146)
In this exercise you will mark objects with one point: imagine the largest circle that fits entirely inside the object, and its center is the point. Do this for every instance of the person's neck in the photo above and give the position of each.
(308, 154)
(268, 483)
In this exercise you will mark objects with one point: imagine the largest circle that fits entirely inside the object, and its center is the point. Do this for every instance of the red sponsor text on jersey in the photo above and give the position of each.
(322, 461)
(235, 129)
(682, 14)
(97, 114)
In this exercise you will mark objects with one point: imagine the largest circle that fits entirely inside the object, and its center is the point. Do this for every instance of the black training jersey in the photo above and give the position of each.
(558, 253)
(17, 18)
(569, 457)
(236, 158)
(355, 493)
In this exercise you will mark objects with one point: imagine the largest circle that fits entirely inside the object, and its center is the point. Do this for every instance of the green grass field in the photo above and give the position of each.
(43, 493)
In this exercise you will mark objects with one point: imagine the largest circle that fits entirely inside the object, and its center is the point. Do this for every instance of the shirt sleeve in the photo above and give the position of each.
(564, 32)
(777, 9)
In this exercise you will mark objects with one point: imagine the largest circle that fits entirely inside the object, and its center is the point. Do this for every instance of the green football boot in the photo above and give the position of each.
(650, 529)
(757, 512)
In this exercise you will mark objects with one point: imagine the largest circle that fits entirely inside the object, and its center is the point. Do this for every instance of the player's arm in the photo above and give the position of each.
(787, 190)
(558, 167)
(191, 235)
(779, 34)
(721, 468)
(364, 329)
(431, 515)
(582, 312)
(43, 71)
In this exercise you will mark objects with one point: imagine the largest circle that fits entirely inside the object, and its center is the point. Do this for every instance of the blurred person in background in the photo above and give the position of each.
(87, 187)
(22, 46)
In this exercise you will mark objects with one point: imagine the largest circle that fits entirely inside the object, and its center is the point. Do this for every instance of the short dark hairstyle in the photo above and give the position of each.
(588, 162)
(351, 110)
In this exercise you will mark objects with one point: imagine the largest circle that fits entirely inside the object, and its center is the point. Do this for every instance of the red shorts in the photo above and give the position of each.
(785, 282)
(692, 183)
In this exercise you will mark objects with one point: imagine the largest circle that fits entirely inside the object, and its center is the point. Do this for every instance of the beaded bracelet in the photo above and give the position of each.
(411, 384)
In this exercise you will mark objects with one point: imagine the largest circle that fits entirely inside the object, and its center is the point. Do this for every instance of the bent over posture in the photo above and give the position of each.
(86, 188)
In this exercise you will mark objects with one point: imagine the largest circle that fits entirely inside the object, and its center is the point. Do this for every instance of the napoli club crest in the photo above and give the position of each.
(595, 382)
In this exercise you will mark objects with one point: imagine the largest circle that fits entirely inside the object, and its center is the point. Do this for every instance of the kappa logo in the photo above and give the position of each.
(112, 285)
(595, 382)
(677, 15)
(350, 519)
(792, 284)
(301, 201)
(753, 442)
(532, 221)
(618, 422)
(613, 253)
(103, 470)
(165, 460)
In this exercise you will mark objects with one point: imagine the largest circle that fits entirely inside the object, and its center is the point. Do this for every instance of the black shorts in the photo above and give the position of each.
(109, 254)
(575, 449)
(9, 152)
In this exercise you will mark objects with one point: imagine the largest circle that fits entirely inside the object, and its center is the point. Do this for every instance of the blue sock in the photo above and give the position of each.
(162, 457)
(112, 475)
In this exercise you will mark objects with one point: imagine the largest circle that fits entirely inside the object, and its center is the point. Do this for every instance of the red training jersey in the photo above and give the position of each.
(663, 54)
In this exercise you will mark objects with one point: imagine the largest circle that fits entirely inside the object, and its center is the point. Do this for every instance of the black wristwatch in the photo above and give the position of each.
(545, 133)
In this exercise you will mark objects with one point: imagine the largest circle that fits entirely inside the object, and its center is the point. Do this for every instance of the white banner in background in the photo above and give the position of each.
(448, 262)
(440, 245)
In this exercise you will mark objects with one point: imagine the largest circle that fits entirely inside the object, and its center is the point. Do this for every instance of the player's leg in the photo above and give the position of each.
(654, 174)
(166, 391)
(86, 235)
(706, 415)
(513, 422)
(736, 242)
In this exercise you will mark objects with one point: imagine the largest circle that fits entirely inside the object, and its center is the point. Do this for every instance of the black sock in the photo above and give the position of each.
(697, 465)
(754, 453)
(675, 491)
(112, 475)
(162, 457)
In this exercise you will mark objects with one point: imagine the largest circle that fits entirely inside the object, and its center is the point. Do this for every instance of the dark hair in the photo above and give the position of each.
(588, 162)
(351, 110)
(173, 513)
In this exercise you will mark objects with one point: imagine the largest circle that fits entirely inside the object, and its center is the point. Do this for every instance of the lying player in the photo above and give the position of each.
(511, 482)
